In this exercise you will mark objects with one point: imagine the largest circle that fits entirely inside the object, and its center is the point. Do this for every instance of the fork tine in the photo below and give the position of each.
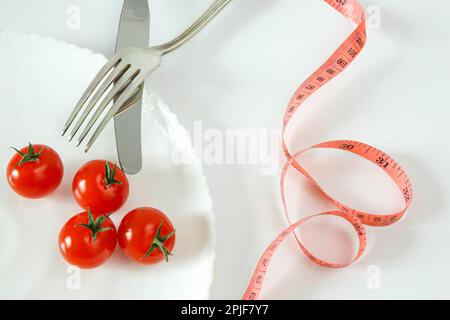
(100, 75)
(123, 98)
(117, 88)
(117, 72)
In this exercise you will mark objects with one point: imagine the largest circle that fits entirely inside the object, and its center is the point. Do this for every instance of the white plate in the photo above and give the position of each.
(40, 81)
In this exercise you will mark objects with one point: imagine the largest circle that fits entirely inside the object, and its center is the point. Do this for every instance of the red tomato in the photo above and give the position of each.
(35, 171)
(100, 186)
(146, 235)
(87, 243)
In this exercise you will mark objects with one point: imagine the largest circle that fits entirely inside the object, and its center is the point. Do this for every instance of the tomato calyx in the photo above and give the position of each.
(95, 226)
(110, 176)
(158, 243)
(30, 156)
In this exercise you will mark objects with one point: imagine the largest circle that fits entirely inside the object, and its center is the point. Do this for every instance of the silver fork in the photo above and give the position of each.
(124, 73)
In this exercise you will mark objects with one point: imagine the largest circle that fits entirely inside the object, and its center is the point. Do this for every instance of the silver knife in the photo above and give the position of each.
(134, 31)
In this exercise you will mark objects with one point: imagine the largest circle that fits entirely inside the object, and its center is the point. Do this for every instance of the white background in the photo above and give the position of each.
(239, 73)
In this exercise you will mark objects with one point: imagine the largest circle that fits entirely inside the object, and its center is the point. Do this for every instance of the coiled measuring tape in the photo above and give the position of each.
(337, 63)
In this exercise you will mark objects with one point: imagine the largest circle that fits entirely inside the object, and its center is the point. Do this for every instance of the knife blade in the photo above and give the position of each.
(134, 31)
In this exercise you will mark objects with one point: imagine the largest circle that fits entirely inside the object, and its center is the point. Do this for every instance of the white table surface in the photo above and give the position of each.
(239, 73)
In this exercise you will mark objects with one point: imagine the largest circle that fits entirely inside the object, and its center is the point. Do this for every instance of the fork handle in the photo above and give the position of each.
(213, 10)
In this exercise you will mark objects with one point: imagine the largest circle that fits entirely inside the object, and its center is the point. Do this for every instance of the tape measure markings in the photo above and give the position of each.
(337, 63)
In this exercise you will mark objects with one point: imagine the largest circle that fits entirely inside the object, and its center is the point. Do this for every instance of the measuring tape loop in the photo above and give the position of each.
(337, 63)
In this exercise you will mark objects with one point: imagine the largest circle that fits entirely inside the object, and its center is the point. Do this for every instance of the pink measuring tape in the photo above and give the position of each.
(339, 61)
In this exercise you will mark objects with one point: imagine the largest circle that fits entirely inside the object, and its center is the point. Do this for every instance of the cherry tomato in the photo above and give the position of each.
(87, 241)
(100, 186)
(35, 171)
(146, 235)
